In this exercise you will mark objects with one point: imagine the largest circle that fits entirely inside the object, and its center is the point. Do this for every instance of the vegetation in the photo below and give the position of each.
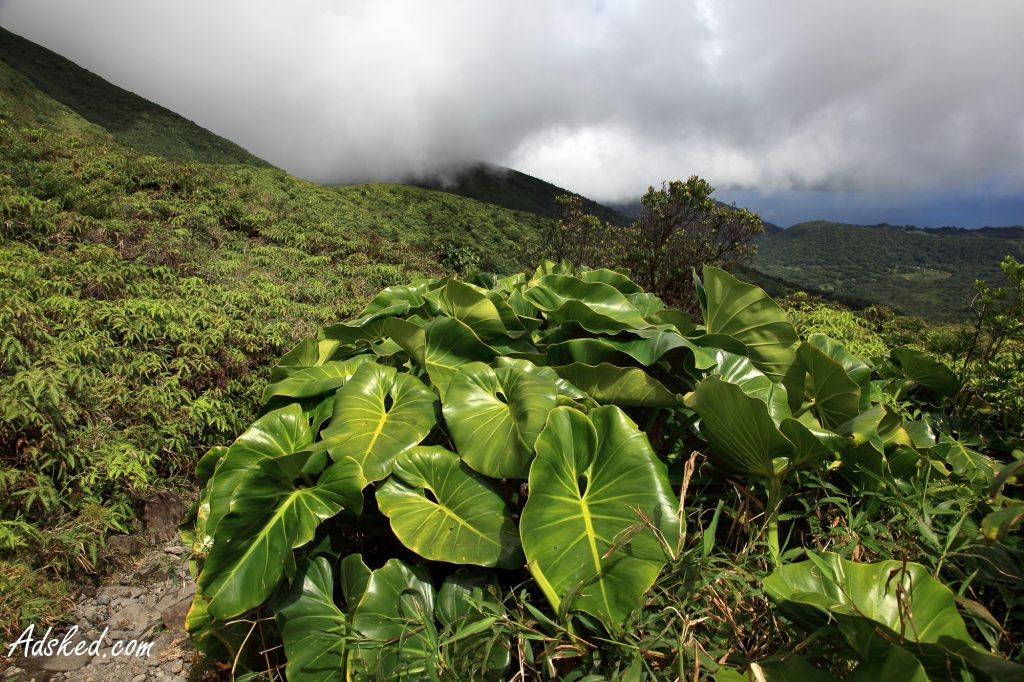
(142, 302)
(680, 229)
(653, 499)
(927, 273)
(544, 475)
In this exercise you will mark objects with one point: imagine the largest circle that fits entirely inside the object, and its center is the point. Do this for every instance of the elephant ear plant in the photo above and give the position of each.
(462, 441)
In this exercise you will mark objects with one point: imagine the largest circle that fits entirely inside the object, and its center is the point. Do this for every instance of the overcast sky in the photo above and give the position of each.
(908, 111)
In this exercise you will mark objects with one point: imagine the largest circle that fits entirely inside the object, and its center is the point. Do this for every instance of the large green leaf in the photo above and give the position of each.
(595, 306)
(314, 381)
(275, 434)
(378, 413)
(313, 628)
(925, 370)
(619, 281)
(444, 511)
(610, 384)
(591, 476)
(495, 416)
(966, 462)
(393, 623)
(486, 316)
(739, 370)
(854, 367)
(269, 517)
(749, 315)
(836, 397)
(397, 299)
(563, 387)
(884, 603)
(440, 347)
(644, 346)
(743, 436)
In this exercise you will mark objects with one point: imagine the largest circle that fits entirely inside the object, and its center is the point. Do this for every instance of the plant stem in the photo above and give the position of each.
(774, 502)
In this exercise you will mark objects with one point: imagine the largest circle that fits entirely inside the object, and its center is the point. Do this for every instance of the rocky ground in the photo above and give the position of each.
(144, 599)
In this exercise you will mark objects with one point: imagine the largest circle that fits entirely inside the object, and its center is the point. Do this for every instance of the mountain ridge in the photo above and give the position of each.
(133, 120)
(512, 189)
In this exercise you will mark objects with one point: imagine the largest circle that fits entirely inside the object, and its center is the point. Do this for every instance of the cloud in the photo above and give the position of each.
(603, 97)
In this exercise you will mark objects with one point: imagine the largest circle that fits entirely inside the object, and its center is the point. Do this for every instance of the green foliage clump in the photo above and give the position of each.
(475, 478)
(815, 315)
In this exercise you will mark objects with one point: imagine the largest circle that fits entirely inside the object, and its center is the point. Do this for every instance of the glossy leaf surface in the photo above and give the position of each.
(590, 474)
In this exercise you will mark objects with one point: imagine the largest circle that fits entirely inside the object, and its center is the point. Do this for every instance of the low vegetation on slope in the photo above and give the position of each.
(142, 301)
(928, 273)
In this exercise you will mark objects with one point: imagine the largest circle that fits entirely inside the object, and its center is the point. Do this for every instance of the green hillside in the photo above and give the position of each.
(518, 191)
(132, 120)
(143, 299)
(924, 272)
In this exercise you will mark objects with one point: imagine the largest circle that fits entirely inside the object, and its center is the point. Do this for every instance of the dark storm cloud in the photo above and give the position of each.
(602, 97)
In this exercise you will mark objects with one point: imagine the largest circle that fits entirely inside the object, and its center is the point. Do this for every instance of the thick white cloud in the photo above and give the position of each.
(603, 97)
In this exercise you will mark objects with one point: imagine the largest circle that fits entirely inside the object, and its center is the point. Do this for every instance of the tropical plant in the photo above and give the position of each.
(516, 440)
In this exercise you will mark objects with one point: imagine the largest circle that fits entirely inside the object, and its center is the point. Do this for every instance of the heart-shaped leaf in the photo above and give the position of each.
(925, 370)
(595, 306)
(592, 475)
(836, 396)
(378, 413)
(610, 384)
(877, 605)
(277, 433)
(495, 416)
(443, 511)
(314, 381)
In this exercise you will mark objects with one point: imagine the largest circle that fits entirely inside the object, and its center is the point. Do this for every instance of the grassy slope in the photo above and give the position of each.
(928, 273)
(132, 120)
(142, 302)
(517, 191)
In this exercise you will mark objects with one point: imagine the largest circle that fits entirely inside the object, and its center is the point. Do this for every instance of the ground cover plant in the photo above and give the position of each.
(553, 475)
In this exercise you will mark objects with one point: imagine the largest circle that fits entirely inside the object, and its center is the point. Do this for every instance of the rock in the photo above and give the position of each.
(103, 599)
(162, 513)
(174, 667)
(150, 570)
(176, 550)
(173, 615)
(137, 619)
(141, 677)
(125, 545)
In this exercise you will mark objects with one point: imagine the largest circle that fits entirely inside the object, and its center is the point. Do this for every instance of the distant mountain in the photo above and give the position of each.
(926, 272)
(511, 189)
(133, 121)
